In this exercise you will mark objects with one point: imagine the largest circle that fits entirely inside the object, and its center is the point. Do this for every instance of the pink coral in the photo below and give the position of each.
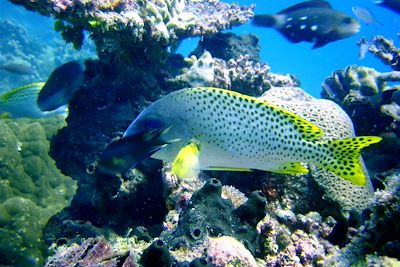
(227, 251)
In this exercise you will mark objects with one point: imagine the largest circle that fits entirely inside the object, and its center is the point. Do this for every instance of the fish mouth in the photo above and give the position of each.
(356, 27)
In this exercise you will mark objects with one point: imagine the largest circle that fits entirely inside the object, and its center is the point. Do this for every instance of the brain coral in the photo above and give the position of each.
(32, 189)
(336, 124)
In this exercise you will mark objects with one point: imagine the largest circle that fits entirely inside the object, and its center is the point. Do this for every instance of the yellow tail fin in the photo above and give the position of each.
(343, 157)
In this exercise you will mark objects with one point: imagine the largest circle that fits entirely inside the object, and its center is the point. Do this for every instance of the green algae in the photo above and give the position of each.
(32, 189)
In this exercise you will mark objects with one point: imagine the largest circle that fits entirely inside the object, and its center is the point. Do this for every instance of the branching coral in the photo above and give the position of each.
(385, 50)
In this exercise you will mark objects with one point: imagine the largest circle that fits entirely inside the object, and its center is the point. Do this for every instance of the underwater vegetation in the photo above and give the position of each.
(152, 215)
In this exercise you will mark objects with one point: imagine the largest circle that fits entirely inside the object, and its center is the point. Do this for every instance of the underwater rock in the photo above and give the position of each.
(157, 254)
(370, 101)
(228, 46)
(209, 215)
(341, 194)
(32, 189)
(380, 234)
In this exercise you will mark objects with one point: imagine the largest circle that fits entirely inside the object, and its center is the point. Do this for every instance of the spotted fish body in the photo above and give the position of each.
(312, 21)
(236, 131)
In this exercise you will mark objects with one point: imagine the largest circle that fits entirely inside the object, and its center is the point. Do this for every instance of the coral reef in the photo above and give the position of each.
(240, 74)
(208, 214)
(104, 107)
(118, 24)
(346, 195)
(32, 189)
(287, 239)
(206, 224)
(380, 234)
(370, 100)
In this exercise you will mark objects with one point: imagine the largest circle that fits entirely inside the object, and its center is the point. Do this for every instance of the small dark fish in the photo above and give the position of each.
(312, 21)
(61, 85)
(365, 15)
(393, 5)
(18, 68)
(127, 152)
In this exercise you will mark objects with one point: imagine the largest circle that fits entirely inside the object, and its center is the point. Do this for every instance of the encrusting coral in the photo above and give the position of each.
(32, 189)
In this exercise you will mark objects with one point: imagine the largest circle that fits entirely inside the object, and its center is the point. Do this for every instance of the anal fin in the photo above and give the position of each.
(290, 168)
(229, 169)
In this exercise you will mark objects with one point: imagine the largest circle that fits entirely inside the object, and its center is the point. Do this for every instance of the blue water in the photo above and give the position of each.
(313, 66)
(308, 65)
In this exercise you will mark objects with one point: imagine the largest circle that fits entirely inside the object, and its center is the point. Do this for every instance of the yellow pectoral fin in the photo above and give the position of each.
(290, 168)
(229, 169)
(186, 163)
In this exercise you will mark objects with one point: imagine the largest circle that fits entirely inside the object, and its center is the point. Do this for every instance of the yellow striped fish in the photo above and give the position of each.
(22, 102)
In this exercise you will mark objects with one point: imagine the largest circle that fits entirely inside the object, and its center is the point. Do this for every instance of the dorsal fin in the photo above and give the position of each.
(7, 95)
(307, 4)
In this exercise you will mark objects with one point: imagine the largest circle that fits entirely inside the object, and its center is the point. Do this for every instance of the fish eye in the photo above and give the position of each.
(347, 20)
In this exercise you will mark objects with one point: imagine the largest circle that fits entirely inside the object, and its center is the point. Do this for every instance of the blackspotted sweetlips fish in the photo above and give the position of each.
(216, 129)
(312, 21)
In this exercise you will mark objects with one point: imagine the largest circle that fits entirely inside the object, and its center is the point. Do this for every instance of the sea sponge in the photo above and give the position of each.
(32, 189)
(336, 125)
